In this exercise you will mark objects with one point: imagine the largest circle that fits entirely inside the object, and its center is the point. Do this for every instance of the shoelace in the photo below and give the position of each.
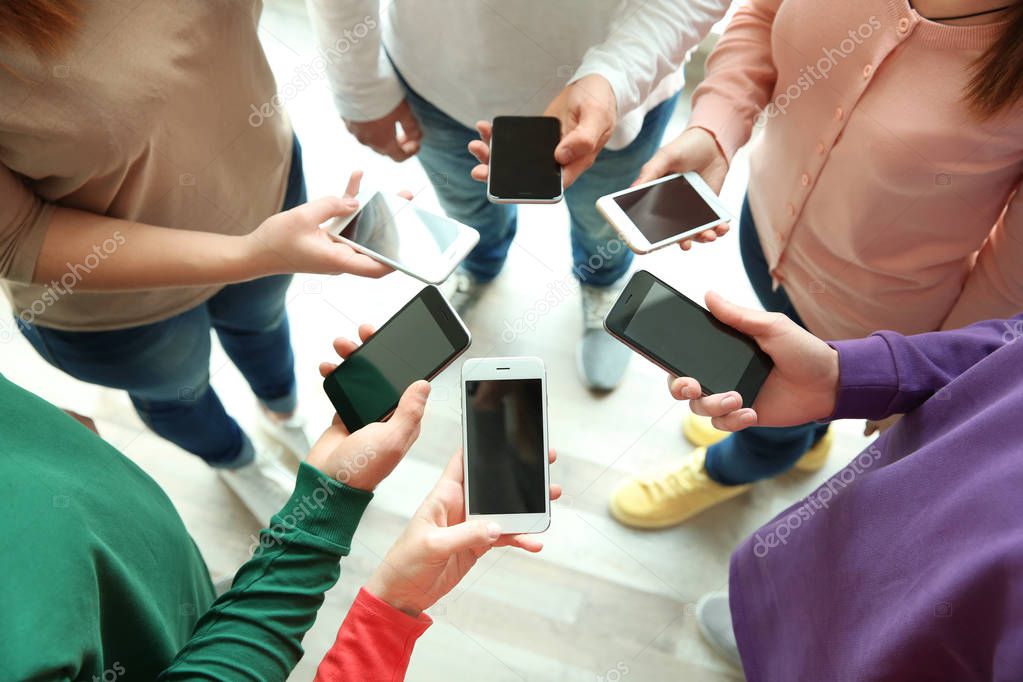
(679, 482)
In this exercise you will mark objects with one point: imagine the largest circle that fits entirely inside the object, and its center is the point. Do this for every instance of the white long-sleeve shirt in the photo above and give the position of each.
(476, 59)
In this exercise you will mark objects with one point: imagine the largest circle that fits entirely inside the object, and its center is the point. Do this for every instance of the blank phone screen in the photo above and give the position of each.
(684, 336)
(522, 158)
(666, 209)
(505, 446)
(411, 347)
(396, 229)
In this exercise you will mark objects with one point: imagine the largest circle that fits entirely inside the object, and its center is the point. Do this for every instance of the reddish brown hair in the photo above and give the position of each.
(43, 26)
(997, 81)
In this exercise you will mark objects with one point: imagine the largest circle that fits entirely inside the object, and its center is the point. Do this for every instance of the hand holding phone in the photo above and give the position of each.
(417, 343)
(504, 432)
(801, 387)
(664, 211)
(681, 337)
(342, 454)
(519, 165)
(438, 533)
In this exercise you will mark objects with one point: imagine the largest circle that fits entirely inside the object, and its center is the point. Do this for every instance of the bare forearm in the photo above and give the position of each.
(113, 254)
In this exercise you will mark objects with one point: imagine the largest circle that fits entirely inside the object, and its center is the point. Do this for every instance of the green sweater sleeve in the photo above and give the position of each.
(255, 630)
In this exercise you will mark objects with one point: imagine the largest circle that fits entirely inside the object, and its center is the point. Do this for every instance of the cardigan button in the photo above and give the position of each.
(903, 25)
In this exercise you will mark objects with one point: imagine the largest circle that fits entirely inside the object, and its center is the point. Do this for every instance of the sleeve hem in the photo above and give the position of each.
(868, 378)
(324, 508)
(717, 116)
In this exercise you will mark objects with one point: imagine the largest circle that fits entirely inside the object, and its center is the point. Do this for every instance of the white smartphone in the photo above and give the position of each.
(664, 211)
(504, 436)
(396, 232)
(522, 165)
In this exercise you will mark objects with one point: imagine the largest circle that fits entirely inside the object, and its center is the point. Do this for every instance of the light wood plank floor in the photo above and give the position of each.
(600, 602)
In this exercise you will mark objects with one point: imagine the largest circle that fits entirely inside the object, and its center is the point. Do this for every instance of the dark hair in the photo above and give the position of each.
(44, 26)
(997, 81)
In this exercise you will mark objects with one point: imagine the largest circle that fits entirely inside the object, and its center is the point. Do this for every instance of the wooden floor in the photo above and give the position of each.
(600, 602)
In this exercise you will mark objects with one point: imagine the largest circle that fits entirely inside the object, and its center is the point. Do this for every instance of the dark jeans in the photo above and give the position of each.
(761, 452)
(165, 366)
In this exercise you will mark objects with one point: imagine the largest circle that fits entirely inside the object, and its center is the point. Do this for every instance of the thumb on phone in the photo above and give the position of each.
(408, 416)
(755, 323)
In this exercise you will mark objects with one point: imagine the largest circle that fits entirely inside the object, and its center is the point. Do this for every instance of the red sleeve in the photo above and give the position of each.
(374, 643)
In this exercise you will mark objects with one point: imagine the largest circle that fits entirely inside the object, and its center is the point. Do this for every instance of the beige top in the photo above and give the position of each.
(147, 117)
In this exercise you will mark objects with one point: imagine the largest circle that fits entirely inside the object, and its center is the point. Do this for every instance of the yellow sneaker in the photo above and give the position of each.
(672, 498)
(699, 431)
(817, 456)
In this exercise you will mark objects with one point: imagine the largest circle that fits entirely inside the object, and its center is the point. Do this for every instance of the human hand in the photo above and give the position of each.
(293, 241)
(438, 547)
(694, 150)
(364, 458)
(381, 136)
(588, 112)
(802, 386)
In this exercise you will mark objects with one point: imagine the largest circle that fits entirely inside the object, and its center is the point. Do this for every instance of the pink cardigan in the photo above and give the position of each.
(881, 201)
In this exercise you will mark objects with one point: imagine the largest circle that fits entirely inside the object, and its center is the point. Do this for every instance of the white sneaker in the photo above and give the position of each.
(263, 485)
(463, 290)
(289, 433)
(601, 359)
(714, 618)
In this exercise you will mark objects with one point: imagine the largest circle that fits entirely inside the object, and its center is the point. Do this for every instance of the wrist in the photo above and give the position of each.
(379, 587)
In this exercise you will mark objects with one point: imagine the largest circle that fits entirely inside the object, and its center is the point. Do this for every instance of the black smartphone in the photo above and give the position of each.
(682, 337)
(522, 165)
(418, 342)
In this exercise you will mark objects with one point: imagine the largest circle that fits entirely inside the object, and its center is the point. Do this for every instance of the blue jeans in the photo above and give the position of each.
(598, 254)
(165, 366)
(761, 452)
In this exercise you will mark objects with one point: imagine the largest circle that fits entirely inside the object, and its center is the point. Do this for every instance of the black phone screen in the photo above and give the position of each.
(522, 164)
(684, 337)
(505, 446)
(414, 344)
(666, 209)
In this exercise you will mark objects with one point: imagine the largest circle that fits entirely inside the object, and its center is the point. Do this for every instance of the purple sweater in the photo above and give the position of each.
(908, 563)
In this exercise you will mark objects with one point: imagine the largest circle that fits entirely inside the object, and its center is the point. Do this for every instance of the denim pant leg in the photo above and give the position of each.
(251, 320)
(761, 452)
(252, 324)
(164, 367)
(447, 161)
(599, 256)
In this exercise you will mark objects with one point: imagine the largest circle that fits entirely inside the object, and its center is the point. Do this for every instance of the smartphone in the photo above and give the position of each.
(396, 232)
(418, 342)
(662, 212)
(522, 165)
(683, 338)
(504, 436)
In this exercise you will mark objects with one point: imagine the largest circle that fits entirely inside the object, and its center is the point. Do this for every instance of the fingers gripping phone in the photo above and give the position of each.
(659, 213)
(504, 433)
(400, 234)
(418, 342)
(683, 338)
(522, 165)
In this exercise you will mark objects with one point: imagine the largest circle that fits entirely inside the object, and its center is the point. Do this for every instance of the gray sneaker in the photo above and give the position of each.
(263, 485)
(463, 290)
(601, 359)
(714, 619)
